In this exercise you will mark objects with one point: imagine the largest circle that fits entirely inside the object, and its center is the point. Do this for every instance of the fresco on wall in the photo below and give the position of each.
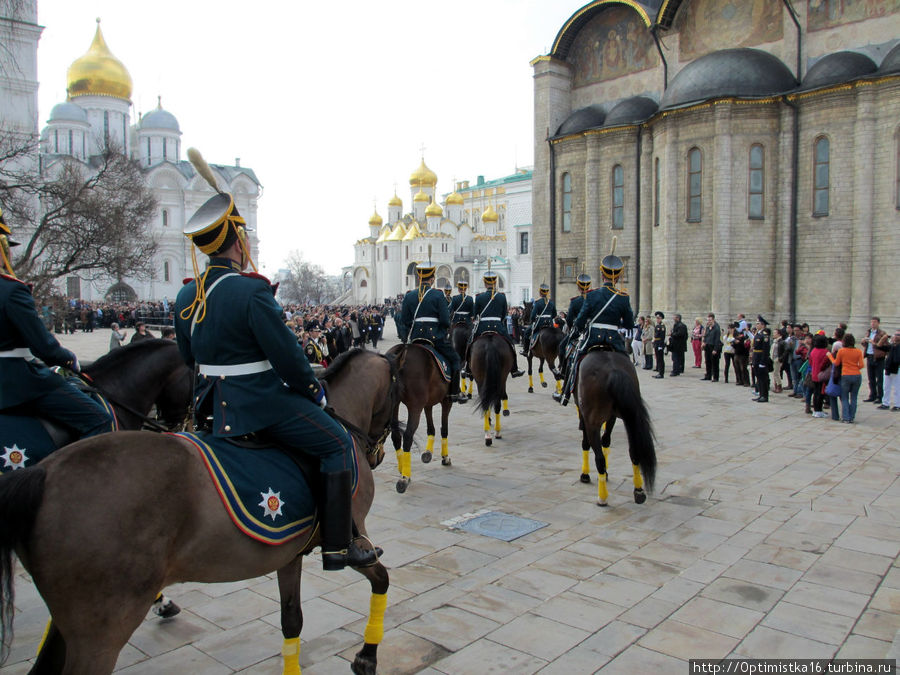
(709, 25)
(828, 13)
(614, 43)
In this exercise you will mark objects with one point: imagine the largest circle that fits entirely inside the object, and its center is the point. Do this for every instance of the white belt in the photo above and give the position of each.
(426, 319)
(490, 318)
(608, 326)
(18, 353)
(237, 369)
(460, 312)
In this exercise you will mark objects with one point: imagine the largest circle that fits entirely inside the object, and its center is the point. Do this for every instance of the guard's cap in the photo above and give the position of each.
(425, 270)
(210, 228)
(583, 281)
(660, 315)
(544, 289)
(461, 284)
(761, 319)
(313, 325)
(490, 278)
(612, 266)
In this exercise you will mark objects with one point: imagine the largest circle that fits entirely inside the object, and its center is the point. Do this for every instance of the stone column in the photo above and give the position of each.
(782, 183)
(863, 191)
(722, 182)
(648, 180)
(672, 214)
(594, 245)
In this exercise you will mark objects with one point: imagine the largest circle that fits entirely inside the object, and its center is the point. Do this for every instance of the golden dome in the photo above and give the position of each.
(376, 220)
(434, 209)
(385, 232)
(395, 200)
(412, 233)
(455, 198)
(489, 216)
(423, 176)
(398, 233)
(98, 73)
(421, 197)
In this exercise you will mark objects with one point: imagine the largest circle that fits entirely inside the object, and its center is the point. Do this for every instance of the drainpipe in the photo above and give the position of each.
(552, 217)
(653, 32)
(637, 250)
(793, 13)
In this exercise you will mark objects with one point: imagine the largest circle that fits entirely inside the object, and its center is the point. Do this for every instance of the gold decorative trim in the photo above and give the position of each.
(594, 5)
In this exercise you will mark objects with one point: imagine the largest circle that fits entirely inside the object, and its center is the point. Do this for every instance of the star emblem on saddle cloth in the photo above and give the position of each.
(271, 503)
(14, 457)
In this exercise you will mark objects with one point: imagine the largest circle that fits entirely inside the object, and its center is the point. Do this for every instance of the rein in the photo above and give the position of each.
(146, 421)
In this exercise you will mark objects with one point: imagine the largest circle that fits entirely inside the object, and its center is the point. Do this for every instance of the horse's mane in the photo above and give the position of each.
(341, 362)
(116, 358)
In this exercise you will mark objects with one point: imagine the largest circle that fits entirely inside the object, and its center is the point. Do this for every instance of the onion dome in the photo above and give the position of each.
(412, 233)
(434, 209)
(160, 119)
(589, 117)
(489, 216)
(397, 234)
(423, 176)
(395, 200)
(376, 220)
(891, 63)
(741, 72)
(384, 234)
(68, 112)
(455, 198)
(631, 111)
(421, 197)
(98, 73)
(836, 68)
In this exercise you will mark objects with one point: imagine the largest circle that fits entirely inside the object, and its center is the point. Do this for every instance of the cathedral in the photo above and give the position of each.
(97, 112)
(745, 154)
(476, 225)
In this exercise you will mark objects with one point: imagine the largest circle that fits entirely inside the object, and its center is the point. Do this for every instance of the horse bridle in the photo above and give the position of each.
(92, 388)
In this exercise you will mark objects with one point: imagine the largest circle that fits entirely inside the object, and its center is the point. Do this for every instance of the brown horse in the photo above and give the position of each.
(545, 349)
(607, 387)
(80, 523)
(491, 361)
(421, 388)
(459, 338)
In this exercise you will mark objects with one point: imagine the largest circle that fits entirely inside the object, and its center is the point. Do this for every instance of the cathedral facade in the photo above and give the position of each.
(97, 113)
(745, 155)
(487, 221)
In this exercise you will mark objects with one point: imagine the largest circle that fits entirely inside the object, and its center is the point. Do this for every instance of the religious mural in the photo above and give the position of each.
(614, 43)
(828, 13)
(709, 25)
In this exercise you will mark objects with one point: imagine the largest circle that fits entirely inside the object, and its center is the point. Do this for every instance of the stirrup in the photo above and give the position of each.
(352, 556)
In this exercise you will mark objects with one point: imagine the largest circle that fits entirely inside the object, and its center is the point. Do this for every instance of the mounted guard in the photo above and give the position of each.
(603, 312)
(543, 312)
(490, 315)
(462, 306)
(253, 377)
(583, 282)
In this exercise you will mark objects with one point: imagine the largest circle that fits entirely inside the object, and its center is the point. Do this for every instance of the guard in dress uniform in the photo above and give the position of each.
(29, 388)
(491, 310)
(543, 311)
(659, 345)
(448, 293)
(253, 377)
(425, 316)
(602, 312)
(462, 306)
(762, 346)
(584, 285)
(314, 349)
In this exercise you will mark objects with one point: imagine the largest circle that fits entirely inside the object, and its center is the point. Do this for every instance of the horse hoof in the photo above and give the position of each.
(363, 665)
(544, 385)
(639, 496)
(585, 478)
(488, 441)
(445, 461)
(602, 503)
(468, 395)
(506, 413)
(497, 436)
(530, 390)
(426, 457)
(402, 484)
(167, 610)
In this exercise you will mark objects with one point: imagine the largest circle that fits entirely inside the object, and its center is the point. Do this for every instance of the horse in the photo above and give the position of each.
(421, 388)
(459, 338)
(80, 524)
(491, 361)
(607, 387)
(546, 348)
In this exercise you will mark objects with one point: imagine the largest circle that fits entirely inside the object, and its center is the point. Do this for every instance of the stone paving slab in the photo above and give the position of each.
(770, 534)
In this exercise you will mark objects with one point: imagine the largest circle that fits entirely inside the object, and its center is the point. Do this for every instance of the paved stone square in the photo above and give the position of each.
(770, 534)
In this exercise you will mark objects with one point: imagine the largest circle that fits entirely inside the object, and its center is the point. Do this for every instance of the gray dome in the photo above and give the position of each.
(68, 112)
(838, 67)
(589, 117)
(729, 72)
(631, 110)
(891, 63)
(159, 119)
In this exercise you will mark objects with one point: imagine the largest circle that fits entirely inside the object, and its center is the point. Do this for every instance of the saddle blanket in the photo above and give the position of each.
(441, 362)
(25, 441)
(266, 494)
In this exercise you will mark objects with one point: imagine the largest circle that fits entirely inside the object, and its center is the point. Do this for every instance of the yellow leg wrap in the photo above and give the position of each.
(487, 422)
(530, 381)
(406, 464)
(541, 376)
(290, 652)
(471, 386)
(638, 479)
(444, 451)
(44, 636)
(506, 404)
(602, 491)
(375, 627)
(497, 423)
(463, 383)
(559, 386)
(429, 443)
(586, 461)
(606, 454)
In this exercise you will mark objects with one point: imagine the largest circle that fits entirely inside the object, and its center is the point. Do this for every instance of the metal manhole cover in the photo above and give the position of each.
(496, 524)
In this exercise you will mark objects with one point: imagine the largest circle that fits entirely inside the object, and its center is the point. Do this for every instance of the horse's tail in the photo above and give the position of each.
(490, 394)
(21, 493)
(633, 411)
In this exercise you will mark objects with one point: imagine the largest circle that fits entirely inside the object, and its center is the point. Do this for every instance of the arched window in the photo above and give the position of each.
(71, 146)
(656, 184)
(164, 143)
(385, 253)
(165, 217)
(148, 152)
(363, 283)
(166, 270)
(106, 128)
(757, 183)
(618, 197)
(566, 202)
(821, 177)
(695, 185)
(56, 140)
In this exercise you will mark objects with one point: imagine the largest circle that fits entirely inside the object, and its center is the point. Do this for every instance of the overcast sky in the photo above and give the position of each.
(328, 103)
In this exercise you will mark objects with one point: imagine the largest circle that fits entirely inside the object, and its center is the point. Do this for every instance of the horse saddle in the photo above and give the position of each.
(268, 493)
(442, 363)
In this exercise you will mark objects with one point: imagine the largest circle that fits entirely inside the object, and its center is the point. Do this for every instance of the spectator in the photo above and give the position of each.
(891, 364)
(678, 345)
(850, 359)
(647, 340)
(728, 350)
(697, 342)
(712, 347)
(637, 342)
(741, 345)
(168, 333)
(116, 338)
(141, 333)
(875, 347)
(818, 360)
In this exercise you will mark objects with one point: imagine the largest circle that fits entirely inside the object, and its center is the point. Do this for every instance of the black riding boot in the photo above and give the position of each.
(515, 367)
(455, 394)
(338, 548)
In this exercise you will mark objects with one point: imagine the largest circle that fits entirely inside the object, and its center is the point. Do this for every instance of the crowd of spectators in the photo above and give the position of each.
(66, 316)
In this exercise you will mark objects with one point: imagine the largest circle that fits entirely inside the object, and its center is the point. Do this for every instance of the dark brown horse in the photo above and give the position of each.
(607, 387)
(545, 349)
(491, 361)
(421, 388)
(81, 524)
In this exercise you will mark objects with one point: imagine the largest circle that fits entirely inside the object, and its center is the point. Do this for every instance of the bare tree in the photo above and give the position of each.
(305, 281)
(75, 217)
